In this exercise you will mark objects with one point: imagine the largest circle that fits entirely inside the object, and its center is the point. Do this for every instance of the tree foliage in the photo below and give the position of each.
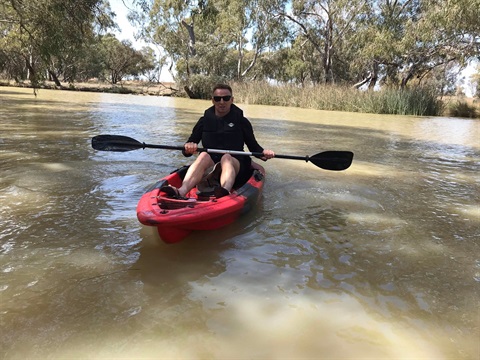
(62, 40)
(408, 39)
(211, 39)
(121, 59)
(391, 43)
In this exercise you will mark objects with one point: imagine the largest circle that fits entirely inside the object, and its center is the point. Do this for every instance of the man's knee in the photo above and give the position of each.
(227, 158)
(205, 160)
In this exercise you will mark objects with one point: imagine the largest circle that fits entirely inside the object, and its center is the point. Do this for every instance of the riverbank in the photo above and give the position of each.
(417, 101)
(125, 87)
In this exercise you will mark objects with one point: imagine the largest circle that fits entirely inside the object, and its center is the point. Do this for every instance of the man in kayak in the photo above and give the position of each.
(222, 126)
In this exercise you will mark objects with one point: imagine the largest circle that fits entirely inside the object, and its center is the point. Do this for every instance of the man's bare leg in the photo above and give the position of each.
(195, 173)
(230, 169)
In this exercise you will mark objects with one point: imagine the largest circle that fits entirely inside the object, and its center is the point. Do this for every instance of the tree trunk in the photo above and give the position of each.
(54, 78)
(252, 63)
(191, 34)
(359, 84)
(30, 70)
(373, 76)
(408, 76)
(190, 93)
(328, 53)
(240, 58)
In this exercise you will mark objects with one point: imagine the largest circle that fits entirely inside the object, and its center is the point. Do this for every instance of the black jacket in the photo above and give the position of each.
(230, 132)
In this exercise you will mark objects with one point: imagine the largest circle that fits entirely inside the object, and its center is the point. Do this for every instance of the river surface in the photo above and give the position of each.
(379, 261)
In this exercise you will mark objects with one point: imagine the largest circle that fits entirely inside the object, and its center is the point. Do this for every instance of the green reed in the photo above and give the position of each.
(415, 101)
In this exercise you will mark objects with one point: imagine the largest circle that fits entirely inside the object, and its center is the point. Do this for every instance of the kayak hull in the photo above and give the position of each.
(175, 219)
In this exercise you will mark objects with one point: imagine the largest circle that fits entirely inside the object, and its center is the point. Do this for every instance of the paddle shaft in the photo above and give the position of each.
(220, 151)
(231, 152)
(328, 160)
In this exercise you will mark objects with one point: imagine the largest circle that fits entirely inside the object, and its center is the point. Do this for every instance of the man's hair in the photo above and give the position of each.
(222, 86)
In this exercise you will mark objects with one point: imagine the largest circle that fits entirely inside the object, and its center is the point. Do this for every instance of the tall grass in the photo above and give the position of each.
(417, 101)
(462, 109)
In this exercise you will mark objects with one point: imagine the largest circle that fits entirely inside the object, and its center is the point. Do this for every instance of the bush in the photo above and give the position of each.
(417, 101)
(462, 109)
(200, 86)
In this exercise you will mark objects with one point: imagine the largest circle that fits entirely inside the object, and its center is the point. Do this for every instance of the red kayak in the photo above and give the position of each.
(175, 218)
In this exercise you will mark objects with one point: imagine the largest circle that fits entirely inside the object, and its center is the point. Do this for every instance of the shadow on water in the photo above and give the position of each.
(197, 256)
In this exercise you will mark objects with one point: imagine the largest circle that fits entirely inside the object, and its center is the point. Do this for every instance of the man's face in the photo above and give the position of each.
(222, 106)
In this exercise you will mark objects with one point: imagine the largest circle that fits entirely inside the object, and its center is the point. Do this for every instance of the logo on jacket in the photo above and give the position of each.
(231, 125)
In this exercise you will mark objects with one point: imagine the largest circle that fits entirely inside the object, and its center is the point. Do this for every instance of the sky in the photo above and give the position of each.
(127, 31)
(467, 73)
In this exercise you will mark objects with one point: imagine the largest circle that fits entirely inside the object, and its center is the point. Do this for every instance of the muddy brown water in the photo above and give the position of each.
(379, 261)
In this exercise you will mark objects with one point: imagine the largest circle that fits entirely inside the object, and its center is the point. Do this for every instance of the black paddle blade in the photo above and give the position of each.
(332, 160)
(116, 143)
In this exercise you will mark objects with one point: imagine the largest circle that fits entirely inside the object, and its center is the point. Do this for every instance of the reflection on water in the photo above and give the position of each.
(379, 261)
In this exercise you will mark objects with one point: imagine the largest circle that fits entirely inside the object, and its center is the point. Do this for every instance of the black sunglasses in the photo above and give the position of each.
(225, 98)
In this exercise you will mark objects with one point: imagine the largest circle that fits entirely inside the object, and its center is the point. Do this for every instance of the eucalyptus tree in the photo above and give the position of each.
(443, 32)
(296, 63)
(325, 25)
(253, 31)
(211, 39)
(17, 58)
(45, 33)
(172, 26)
(409, 39)
(378, 40)
(120, 59)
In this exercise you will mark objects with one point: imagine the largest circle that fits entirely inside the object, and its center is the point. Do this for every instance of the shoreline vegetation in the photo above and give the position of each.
(415, 101)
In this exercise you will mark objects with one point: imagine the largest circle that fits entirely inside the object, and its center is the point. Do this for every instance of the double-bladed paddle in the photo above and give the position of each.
(328, 160)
